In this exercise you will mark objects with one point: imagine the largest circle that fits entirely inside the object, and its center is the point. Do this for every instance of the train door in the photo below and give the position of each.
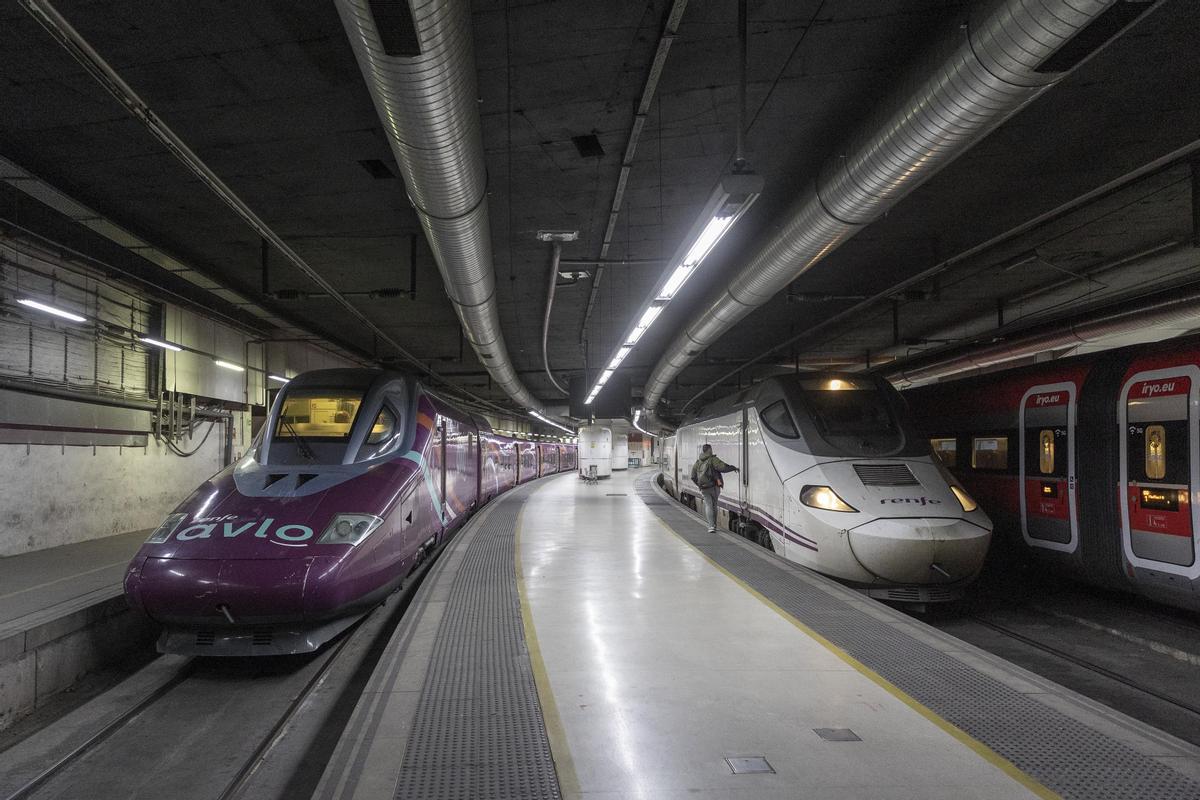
(477, 444)
(436, 475)
(743, 472)
(1159, 463)
(1049, 515)
(675, 462)
(473, 461)
(441, 445)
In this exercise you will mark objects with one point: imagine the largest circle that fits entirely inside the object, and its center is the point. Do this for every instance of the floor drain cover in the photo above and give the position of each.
(748, 765)
(616, 494)
(837, 734)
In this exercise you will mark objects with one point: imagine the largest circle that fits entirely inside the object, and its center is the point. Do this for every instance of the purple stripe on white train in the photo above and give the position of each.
(355, 478)
(834, 477)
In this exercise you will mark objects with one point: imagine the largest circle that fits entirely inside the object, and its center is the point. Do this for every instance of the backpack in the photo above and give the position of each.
(708, 477)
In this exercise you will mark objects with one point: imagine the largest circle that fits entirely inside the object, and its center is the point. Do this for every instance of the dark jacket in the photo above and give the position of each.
(707, 469)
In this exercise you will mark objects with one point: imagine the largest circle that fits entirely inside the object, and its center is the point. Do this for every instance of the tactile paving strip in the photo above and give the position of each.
(1062, 753)
(478, 730)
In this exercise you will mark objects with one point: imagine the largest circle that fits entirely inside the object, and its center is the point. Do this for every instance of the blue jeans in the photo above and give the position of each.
(710, 505)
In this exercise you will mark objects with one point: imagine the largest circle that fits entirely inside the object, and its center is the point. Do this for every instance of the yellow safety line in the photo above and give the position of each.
(568, 780)
(980, 749)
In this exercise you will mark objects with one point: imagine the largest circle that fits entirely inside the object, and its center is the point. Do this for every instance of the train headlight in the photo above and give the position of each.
(965, 500)
(349, 528)
(824, 498)
(164, 531)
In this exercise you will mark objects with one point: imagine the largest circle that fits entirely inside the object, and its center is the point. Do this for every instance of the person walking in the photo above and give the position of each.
(706, 474)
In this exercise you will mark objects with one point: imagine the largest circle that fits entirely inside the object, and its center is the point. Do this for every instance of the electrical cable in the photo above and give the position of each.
(189, 453)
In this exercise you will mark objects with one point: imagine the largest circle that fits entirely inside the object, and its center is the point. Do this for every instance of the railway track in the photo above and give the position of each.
(1120, 650)
(126, 756)
(1090, 665)
(206, 731)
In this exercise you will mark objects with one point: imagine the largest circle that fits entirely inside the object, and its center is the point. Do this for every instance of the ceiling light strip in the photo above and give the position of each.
(48, 309)
(538, 416)
(77, 46)
(637, 415)
(635, 132)
(734, 194)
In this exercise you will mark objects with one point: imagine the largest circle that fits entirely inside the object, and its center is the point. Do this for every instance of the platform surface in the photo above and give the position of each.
(595, 641)
(59, 580)
(662, 667)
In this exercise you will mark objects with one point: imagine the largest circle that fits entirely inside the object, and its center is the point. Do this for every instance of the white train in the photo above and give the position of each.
(834, 477)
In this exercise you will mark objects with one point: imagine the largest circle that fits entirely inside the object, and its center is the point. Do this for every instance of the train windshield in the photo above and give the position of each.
(855, 416)
(314, 426)
(845, 407)
(317, 414)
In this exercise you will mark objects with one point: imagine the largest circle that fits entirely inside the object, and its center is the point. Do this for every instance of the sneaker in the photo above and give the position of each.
(712, 530)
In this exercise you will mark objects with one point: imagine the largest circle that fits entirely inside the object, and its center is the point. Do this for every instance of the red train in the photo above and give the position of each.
(1091, 462)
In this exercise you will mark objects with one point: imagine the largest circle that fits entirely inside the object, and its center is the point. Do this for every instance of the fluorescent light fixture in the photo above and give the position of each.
(159, 343)
(681, 274)
(637, 415)
(623, 351)
(708, 239)
(538, 416)
(227, 365)
(279, 378)
(643, 325)
(58, 312)
(735, 193)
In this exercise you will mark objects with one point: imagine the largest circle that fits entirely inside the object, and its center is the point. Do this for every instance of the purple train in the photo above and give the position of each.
(356, 477)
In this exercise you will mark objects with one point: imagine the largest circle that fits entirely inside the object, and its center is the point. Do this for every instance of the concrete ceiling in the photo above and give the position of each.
(269, 95)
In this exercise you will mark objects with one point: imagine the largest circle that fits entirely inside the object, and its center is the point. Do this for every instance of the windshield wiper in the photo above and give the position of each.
(301, 444)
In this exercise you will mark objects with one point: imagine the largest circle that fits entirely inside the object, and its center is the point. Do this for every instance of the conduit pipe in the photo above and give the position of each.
(556, 254)
(427, 104)
(1169, 309)
(973, 82)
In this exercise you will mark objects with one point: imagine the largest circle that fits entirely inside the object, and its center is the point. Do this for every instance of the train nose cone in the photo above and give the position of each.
(919, 550)
(216, 591)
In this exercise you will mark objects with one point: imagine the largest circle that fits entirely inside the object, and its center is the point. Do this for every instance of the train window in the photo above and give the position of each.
(1046, 452)
(1156, 452)
(317, 414)
(946, 450)
(778, 420)
(384, 427)
(989, 452)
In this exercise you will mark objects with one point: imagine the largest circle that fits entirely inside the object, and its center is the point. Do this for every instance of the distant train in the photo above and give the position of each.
(1090, 463)
(355, 478)
(835, 477)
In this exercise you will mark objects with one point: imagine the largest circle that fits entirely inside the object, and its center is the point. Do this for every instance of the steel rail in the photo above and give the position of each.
(1085, 663)
(111, 727)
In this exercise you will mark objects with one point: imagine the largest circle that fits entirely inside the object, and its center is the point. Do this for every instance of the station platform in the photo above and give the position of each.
(595, 641)
(62, 614)
(59, 580)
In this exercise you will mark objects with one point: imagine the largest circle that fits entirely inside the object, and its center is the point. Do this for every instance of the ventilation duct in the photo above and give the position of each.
(426, 98)
(973, 82)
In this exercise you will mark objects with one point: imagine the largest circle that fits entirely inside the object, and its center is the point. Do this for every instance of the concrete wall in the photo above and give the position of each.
(42, 661)
(52, 495)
